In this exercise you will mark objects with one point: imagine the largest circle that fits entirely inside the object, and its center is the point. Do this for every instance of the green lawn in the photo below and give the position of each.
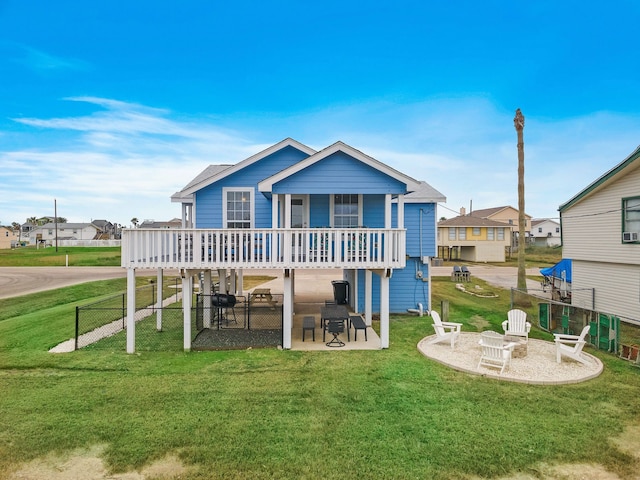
(49, 257)
(270, 414)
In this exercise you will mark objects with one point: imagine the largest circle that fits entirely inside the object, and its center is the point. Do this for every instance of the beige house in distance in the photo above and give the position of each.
(7, 237)
(473, 239)
(508, 215)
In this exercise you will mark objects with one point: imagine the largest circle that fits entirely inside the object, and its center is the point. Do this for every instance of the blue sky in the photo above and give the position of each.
(111, 107)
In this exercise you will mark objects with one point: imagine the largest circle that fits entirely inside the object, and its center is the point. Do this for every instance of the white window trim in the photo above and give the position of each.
(332, 205)
(226, 190)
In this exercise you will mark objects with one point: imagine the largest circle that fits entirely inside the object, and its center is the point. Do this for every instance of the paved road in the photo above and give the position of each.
(504, 277)
(15, 281)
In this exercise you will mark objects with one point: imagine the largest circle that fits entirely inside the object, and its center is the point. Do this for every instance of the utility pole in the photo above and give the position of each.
(518, 122)
(55, 219)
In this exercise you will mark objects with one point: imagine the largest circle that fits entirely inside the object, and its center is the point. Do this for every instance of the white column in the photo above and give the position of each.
(206, 299)
(274, 210)
(160, 288)
(384, 310)
(400, 211)
(186, 309)
(287, 210)
(368, 283)
(232, 281)
(287, 314)
(240, 282)
(387, 224)
(131, 310)
(222, 277)
(287, 224)
(387, 210)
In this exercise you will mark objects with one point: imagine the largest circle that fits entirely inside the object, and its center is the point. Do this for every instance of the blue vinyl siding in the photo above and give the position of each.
(339, 173)
(412, 219)
(319, 211)
(405, 290)
(209, 199)
(373, 211)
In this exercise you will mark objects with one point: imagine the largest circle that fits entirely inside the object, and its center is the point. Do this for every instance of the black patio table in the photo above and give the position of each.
(335, 313)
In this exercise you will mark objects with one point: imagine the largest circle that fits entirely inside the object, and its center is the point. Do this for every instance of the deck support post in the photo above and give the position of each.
(206, 298)
(131, 310)
(368, 283)
(287, 313)
(384, 308)
(159, 305)
(186, 308)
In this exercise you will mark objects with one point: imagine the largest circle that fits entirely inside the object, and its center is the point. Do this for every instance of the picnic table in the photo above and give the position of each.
(262, 295)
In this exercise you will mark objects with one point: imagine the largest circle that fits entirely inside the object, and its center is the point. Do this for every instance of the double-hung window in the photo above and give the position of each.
(238, 207)
(631, 219)
(346, 210)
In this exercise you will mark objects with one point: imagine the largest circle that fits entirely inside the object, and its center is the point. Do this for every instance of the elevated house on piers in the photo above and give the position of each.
(291, 207)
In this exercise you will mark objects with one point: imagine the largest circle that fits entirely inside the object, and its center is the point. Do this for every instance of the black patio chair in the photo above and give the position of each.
(335, 328)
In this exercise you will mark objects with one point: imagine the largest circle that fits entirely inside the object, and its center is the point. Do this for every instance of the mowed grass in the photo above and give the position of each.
(267, 414)
(49, 257)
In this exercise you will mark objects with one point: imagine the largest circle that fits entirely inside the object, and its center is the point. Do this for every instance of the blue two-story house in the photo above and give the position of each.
(291, 207)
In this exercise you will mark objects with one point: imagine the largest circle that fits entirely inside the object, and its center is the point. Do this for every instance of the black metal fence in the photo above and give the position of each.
(246, 323)
(607, 332)
(235, 322)
(102, 325)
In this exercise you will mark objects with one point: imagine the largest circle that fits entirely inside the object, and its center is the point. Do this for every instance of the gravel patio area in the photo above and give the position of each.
(538, 367)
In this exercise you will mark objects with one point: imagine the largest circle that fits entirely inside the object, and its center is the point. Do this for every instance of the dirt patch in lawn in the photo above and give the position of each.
(87, 465)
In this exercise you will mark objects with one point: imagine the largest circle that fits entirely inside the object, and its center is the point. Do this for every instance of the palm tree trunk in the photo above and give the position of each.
(522, 274)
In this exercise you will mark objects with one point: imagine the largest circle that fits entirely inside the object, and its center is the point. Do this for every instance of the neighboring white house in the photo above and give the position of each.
(64, 231)
(601, 235)
(546, 232)
(174, 223)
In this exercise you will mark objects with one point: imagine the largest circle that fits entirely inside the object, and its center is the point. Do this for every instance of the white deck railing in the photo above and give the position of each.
(264, 248)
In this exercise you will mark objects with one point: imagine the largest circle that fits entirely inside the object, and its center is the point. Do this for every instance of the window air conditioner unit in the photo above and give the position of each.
(630, 236)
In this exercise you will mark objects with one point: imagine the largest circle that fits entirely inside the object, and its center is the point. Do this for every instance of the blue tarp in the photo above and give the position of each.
(563, 265)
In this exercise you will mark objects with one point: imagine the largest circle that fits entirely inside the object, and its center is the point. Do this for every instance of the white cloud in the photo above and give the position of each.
(125, 159)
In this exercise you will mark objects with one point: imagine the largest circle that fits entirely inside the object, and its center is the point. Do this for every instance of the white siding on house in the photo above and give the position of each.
(617, 288)
(592, 238)
(592, 228)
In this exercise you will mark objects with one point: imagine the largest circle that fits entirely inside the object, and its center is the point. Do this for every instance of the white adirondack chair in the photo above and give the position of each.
(571, 346)
(445, 331)
(516, 324)
(495, 353)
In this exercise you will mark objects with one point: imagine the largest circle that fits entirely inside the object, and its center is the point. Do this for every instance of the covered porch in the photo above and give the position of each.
(301, 293)
(312, 289)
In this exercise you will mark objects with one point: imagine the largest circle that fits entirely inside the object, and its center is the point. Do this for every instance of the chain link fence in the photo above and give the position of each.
(607, 332)
(215, 325)
(103, 324)
(227, 322)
